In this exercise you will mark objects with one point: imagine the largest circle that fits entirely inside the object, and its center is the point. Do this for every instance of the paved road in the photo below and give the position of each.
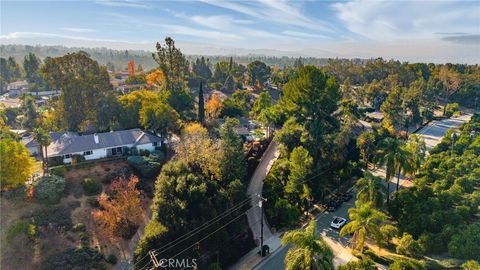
(255, 187)
(339, 244)
(432, 133)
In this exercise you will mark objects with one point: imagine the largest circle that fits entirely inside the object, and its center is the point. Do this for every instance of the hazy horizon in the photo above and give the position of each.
(413, 31)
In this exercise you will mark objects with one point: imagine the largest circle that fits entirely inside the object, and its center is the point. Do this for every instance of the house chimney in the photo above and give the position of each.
(95, 137)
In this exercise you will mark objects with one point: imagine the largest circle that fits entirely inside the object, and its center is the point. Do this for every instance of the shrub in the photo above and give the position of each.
(406, 264)
(58, 171)
(55, 161)
(21, 227)
(145, 166)
(362, 264)
(57, 218)
(84, 238)
(77, 159)
(74, 258)
(471, 265)
(450, 109)
(389, 231)
(409, 246)
(466, 243)
(49, 188)
(112, 259)
(91, 187)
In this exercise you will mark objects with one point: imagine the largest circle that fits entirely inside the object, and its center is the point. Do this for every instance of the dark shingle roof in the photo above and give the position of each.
(67, 143)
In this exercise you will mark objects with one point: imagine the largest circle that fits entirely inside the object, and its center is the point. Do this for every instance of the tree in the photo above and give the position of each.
(466, 243)
(120, 215)
(370, 189)
(308, 251)
(131, 68)
(392, 108)
(42, 137)
(300, 167)
(16, 164)
(173, 64)
(418, 150)
(201, 105)
(156, 78)
(14, 68)
(364, 222)
(471, 265)
(159, 117)
(83, 84)
(451, 83)
(409, 246)
(31, 115)
(31, 64)
(232, 157)
(132, 103)
(366, 145)
(396, 158)
(258, 73)
(214, 106)
(201, 69)
(263, 101)
(312, 98)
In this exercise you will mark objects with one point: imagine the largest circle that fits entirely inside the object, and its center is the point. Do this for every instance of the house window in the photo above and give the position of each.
(155, 144)
(117, 151)
(87, 153)
(66, 156)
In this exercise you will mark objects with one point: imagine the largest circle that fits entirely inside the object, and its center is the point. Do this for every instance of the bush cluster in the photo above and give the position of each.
(91, 186)
(49, 188)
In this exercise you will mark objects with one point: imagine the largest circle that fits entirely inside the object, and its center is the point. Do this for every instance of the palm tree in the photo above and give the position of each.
(370, 189)
(309, 250)
(365, 143)
(365, 220)
(43, 138)
(417, 148)
(396, 158)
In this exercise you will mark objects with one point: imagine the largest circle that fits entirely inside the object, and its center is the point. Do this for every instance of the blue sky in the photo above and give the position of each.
(408, 30)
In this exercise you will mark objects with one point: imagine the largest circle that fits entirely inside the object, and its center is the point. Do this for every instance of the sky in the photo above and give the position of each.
(427, 31)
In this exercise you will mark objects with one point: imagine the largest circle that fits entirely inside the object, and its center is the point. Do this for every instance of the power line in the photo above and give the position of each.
(190, 234)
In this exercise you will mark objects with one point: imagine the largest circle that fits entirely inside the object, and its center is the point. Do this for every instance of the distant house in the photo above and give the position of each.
(32, 145)
(100, 145)
(17, 88)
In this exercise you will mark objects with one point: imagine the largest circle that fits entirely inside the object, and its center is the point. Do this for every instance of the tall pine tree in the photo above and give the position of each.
(201, 104)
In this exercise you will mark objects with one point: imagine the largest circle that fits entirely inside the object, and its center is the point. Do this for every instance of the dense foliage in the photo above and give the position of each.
(445, 196)
(16, 164)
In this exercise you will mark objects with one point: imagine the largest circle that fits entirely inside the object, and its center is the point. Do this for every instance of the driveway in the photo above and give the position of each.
(255, 187)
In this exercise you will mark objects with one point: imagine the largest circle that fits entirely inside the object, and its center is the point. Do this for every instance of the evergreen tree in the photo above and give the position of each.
(201, 105)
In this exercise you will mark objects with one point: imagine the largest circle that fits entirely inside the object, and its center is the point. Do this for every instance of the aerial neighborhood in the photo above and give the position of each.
(247, 135)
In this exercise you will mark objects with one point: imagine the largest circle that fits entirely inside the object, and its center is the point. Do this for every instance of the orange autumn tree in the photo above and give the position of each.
(131, 68)
(121, 214)
(156, 78)
(214, 106)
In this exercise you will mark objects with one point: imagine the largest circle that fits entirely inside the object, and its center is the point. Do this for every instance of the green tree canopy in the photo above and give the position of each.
(16, 165)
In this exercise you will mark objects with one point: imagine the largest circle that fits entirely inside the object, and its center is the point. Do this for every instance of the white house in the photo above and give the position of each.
(17, 88)
(100, 145)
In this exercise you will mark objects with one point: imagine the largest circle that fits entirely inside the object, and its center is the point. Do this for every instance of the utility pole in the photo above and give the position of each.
(154, 260)
(260, 204)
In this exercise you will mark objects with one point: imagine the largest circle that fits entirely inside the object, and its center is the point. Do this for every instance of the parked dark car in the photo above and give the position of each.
(347, 196)
(334, 204)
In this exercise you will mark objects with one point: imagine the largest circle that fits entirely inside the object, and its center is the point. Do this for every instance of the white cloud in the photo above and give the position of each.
(124, 3)
(32, 35)
(391, 20)
(302, 34)
(276, 11)
(78, 30)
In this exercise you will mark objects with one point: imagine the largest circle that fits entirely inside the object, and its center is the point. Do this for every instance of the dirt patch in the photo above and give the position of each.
(55, 224)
